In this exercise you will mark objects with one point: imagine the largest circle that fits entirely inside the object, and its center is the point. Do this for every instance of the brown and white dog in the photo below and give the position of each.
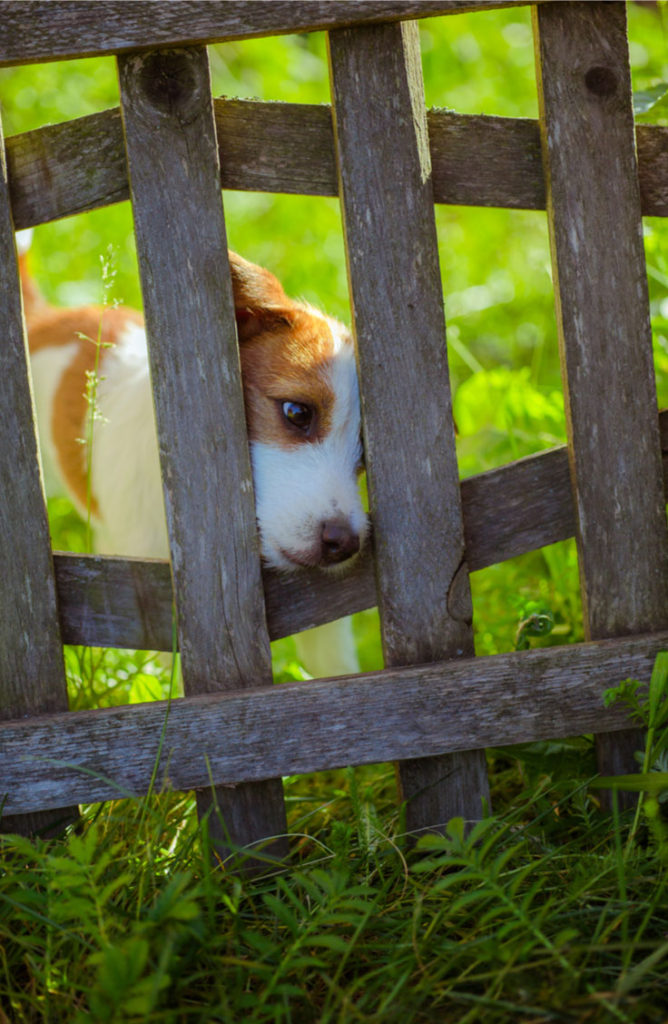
(303, 417)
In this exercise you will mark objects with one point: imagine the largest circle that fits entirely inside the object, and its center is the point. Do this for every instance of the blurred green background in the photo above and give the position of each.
(496, 269)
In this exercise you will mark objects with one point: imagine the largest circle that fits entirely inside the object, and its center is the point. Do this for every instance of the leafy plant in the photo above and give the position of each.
(652, 781)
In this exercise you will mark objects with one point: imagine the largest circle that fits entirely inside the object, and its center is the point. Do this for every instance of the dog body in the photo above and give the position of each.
(91, 381)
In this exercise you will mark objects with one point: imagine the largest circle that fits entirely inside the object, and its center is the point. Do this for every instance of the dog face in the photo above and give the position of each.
(303, 416)
(302, 411)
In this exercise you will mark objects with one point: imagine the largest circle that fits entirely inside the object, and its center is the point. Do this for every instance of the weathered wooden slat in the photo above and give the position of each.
(68, 168)
(44, 31)
(393, 268)
(304, 727)
(190, 321)
(32, 672)
(79, 165)
(604, 324)
(479, 160)
(652, 153)
(111, 602)
(276, 147)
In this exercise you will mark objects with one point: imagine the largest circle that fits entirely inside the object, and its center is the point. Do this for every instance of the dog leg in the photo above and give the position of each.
(328, 650)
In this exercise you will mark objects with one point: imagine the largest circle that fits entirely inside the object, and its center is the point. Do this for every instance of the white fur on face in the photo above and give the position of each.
(300, 488)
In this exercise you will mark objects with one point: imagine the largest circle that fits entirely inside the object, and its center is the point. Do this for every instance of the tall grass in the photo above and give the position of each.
(536, 914)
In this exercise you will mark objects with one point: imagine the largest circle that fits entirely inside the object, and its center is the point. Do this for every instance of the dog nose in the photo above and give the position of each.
(338, 542)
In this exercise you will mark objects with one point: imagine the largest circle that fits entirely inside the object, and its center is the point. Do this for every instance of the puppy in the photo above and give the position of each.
(303, 417)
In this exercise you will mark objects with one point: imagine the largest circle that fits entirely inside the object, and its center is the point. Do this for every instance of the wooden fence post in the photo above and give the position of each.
(595, 222)
(387, 199)
(174, 181)
(32, 672)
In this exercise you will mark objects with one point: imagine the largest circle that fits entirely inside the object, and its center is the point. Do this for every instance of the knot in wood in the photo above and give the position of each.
(601, 81)
(168, 80)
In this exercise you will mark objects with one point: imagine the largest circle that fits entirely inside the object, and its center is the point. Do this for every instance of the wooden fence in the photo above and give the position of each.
(435, 707)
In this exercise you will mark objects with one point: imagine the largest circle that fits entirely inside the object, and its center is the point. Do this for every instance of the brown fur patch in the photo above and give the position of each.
(254, 287)
(84, 327)
(288, 362)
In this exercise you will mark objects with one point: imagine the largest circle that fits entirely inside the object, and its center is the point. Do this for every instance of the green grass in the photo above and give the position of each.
(539, 914)
(552, 909)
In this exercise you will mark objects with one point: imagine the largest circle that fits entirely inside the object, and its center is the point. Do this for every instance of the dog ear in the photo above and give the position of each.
(259, 299)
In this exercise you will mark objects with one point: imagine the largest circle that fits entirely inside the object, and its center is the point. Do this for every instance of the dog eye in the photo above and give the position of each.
(298, 414)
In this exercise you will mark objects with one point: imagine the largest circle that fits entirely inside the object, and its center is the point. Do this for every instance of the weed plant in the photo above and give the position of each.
(550, 909)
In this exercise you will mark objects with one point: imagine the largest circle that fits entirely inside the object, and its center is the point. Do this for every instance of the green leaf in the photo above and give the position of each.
(658, 686)
(174, 903)
(645, 99)
(634, 977)
(643, 782)
(333, 942)
(283, 913)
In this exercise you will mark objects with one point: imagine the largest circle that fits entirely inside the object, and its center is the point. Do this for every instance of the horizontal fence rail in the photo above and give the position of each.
(477, 160)
(113, 602)
(303, 727)
(44, 31)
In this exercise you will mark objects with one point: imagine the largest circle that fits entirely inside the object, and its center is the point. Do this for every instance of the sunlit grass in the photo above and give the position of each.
(536, 914)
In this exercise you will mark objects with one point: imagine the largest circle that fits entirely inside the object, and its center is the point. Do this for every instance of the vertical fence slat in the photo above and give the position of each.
(388, 212)
(32, 671)
(604, 325)
(181, 241)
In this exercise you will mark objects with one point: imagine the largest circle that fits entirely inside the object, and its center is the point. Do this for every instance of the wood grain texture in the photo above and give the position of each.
(322, 724)
(32, 673)
(191, 328)
(652, 154)
(603, 313)
(603, 316)
(114, 602)
(43, 31)
(276, 147)
(395, 286)
(67, 168)
(63, 169)
(477, 160)
(397, 309)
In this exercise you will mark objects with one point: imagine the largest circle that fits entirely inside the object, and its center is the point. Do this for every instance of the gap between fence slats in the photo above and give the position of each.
(44, 31)
(32, 671)
(69, 168)
(604, 324)
(321, 724)
(395, 287)
(112, 602)
(196, 378)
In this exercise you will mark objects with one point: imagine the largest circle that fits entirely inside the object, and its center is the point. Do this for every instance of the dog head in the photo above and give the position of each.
(303, 415)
